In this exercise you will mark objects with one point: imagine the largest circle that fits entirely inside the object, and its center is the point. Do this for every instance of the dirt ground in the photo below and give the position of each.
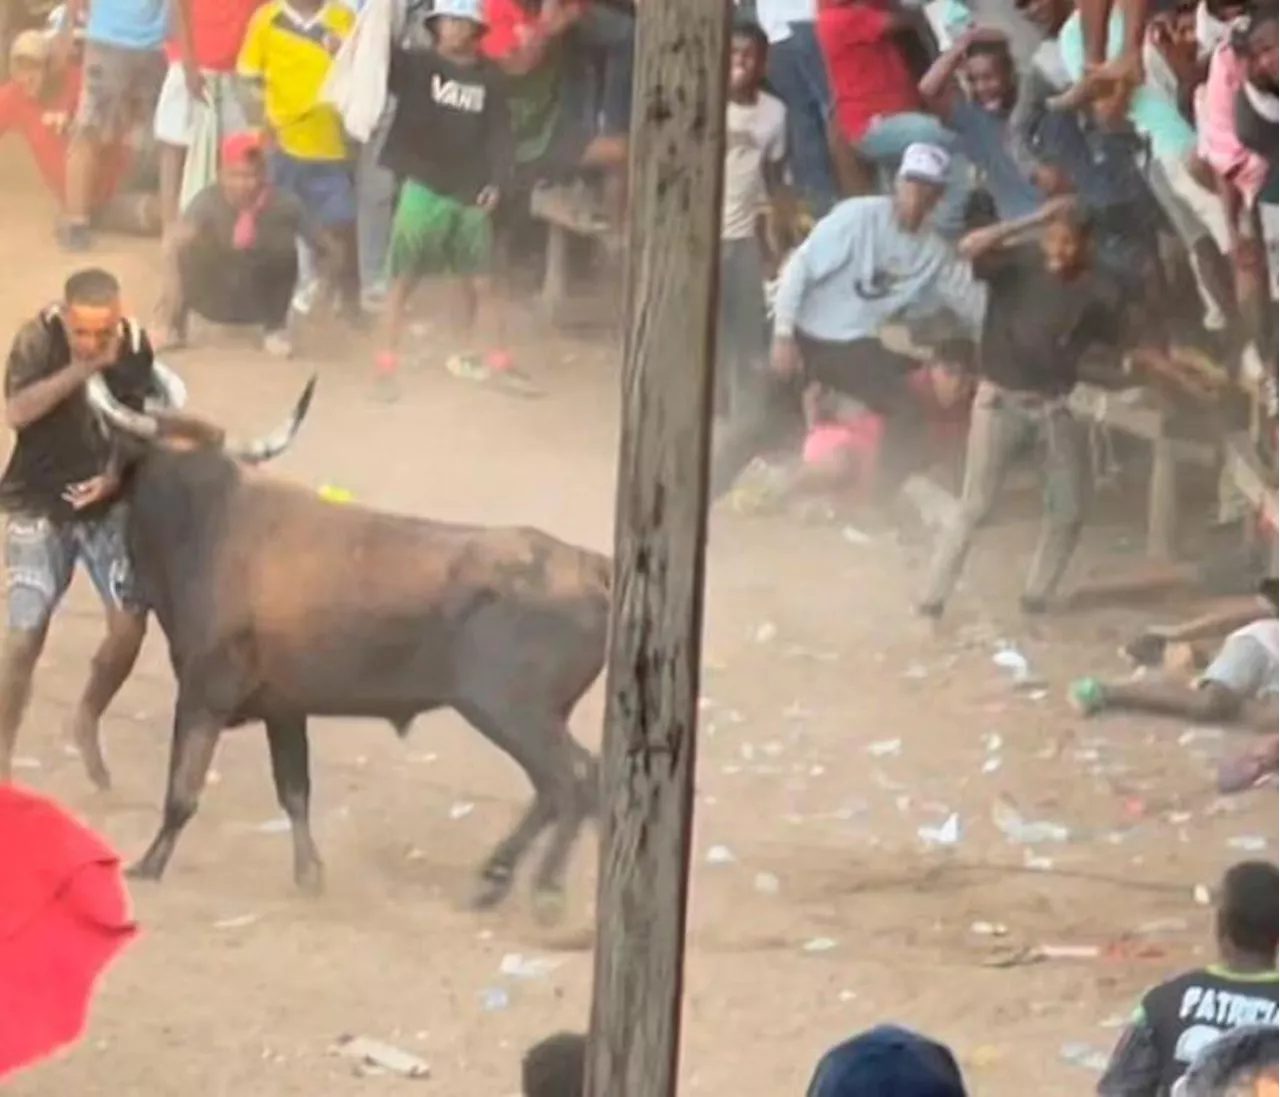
(833, 732)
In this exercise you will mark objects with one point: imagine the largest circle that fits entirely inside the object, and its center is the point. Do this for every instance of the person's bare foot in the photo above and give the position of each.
(84, 735)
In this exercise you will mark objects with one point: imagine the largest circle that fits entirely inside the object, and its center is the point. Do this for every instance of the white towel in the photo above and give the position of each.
(200, 169)
(357, 82)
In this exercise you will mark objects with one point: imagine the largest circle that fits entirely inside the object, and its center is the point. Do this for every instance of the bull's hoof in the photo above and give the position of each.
(491, 890)
(309, 879)
(548, 906)
(99, 776)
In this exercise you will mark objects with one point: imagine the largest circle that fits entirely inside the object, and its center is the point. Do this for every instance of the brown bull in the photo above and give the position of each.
(278, 606)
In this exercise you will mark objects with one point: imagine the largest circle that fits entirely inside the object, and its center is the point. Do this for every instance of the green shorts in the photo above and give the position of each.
(433, 234)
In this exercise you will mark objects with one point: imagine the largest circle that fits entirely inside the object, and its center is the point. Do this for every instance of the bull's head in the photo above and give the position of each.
(187, 431)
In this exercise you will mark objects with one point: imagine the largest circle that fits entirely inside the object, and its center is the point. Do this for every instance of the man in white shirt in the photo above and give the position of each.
(798, 75)
(755, 147)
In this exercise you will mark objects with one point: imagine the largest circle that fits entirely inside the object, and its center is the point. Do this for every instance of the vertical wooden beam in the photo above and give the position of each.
(1162, 500)
(677, 163)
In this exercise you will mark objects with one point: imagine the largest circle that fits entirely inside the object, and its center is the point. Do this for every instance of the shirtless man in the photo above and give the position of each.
(60, 495)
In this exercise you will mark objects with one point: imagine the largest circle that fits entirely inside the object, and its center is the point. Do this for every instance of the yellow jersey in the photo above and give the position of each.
(290, 53)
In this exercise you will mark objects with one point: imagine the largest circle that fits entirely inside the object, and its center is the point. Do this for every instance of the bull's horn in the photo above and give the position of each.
(116, 413)
(272, 445)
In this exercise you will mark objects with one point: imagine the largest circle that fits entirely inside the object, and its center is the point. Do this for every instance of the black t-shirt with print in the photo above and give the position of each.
(69, 444)
(1037, 325)
(451, 130)
(1194, 1009)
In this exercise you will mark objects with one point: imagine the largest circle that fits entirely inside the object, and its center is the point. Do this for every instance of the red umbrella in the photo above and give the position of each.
(64, 915)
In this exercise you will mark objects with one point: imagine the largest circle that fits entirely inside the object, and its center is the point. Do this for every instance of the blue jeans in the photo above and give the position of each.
(798, 76)
(375, 207)
(887, 138)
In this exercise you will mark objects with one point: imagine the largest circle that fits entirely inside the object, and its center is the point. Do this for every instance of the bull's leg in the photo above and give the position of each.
(112, 664)
(195, 738)
(530, 752)
(576, 795)
(499, 870)
(291, 768)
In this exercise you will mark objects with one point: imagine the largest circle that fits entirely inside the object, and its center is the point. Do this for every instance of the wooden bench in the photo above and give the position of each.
(1142, 416)
(563, 211)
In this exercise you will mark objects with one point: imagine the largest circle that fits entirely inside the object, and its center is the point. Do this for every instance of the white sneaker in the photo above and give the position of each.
(278, 344)
(304, 297)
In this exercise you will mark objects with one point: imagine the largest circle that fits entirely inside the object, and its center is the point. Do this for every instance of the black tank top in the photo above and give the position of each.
(69, 444)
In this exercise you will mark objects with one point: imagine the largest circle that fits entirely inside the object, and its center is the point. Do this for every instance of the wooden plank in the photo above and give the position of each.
(1139, 421)
(1162, 501)
(1250, 476)
(677, 161)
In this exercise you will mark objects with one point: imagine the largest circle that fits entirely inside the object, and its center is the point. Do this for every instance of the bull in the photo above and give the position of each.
(278, 606)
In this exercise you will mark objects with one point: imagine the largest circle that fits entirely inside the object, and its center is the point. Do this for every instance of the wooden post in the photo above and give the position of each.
(677, 162)
(1162, 500)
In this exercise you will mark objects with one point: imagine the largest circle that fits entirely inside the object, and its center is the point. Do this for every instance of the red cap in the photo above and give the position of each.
(238, 149)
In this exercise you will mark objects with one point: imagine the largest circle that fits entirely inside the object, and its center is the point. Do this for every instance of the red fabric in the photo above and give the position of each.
(510, 25)
(64, 915)
(861, 436)
(868, 73)
(218, 27)
(45, 126)
(239, 148)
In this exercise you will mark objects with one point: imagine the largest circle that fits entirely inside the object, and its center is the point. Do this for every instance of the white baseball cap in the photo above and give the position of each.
(472, 11)
(923, 163)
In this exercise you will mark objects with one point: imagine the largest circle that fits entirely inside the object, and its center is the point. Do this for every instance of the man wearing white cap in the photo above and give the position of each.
(868, 262)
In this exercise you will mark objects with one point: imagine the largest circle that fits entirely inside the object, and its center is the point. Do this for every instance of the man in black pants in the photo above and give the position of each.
(870, 261)
(232, 258)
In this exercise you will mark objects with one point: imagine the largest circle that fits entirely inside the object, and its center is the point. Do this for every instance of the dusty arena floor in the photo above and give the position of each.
(833, 733)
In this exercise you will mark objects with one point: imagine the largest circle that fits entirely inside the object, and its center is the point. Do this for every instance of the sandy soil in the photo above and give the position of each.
(833, 732)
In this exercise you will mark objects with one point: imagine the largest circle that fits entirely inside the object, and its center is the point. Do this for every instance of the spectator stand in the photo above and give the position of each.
(572, 228)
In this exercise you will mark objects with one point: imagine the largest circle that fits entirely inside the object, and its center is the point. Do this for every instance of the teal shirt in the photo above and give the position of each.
(1153, 114)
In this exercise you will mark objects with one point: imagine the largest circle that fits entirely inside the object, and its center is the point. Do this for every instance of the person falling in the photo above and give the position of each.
(1239, 685)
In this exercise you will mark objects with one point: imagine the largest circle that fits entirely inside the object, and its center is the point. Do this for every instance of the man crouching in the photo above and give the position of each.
(232, 257)
(59, 492)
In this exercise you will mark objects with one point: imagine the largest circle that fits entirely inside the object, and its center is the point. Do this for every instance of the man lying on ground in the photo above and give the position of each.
(39, 104)
(232, 257)
(1239, 685)
(1228, 574)
(1181, 1017)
